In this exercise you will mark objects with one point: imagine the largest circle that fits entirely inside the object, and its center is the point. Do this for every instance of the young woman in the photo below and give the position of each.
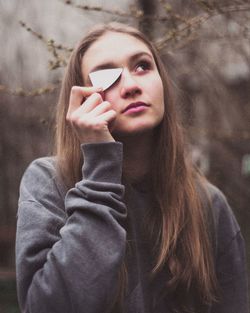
(119, 220)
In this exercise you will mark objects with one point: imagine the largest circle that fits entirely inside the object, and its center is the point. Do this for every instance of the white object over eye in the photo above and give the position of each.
(105, 78)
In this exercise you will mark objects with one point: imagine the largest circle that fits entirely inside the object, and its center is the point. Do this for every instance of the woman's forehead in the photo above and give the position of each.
(111, 42)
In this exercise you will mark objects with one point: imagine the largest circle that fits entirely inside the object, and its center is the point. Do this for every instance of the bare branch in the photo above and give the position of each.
(131, 14)
(31, 93)
(47, 42)
(59, 60)
(189, 25)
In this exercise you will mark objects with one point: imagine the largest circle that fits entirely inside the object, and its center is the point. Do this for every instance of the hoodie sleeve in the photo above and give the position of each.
(69, 249)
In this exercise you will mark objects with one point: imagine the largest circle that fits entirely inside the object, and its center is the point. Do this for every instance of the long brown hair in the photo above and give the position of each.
(179, 227)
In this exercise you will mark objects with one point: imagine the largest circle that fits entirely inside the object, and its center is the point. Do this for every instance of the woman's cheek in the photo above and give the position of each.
(112, 99)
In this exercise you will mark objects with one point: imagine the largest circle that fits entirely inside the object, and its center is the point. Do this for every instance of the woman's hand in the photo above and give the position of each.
(89, 115)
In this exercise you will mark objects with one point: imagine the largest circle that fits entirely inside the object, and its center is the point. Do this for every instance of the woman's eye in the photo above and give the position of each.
(142, 66)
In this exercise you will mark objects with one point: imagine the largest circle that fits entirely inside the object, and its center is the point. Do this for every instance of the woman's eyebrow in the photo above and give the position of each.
(103, 66)
(140, 54)
(131, 58)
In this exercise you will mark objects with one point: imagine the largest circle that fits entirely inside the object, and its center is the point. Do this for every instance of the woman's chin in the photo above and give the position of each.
(134, 129)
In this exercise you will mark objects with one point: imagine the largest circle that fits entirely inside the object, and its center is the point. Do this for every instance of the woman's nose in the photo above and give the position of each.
(129, 86)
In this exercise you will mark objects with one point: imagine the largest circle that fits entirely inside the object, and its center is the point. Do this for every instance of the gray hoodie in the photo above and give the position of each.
(70, 244)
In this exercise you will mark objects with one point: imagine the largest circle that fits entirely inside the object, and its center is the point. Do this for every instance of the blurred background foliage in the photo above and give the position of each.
(206, 48)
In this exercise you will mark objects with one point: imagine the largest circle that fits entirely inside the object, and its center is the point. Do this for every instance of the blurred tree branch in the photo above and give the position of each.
(134, 13)
(29, 93)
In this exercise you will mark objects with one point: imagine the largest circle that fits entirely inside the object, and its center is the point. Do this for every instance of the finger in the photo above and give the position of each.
(91, 103)
(107, 116)
(77, 96)
(101, 108)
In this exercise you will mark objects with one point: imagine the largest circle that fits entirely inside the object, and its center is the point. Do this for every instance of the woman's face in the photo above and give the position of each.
(137, 97)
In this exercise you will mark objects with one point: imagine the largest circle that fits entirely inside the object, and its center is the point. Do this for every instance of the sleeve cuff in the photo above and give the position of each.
(102, 161)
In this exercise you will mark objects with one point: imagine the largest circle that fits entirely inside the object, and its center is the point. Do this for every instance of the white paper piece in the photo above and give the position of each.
(105, 78)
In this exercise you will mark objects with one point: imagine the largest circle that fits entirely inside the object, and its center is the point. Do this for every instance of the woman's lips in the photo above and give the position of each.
(135, 107)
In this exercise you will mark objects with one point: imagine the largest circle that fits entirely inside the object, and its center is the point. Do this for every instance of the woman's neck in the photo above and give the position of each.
(138, 150)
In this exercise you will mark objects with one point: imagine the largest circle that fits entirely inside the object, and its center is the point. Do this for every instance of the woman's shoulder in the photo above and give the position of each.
(39, 171)
(40, 179)
(43, 164)
(226, 227)
(219, 203)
